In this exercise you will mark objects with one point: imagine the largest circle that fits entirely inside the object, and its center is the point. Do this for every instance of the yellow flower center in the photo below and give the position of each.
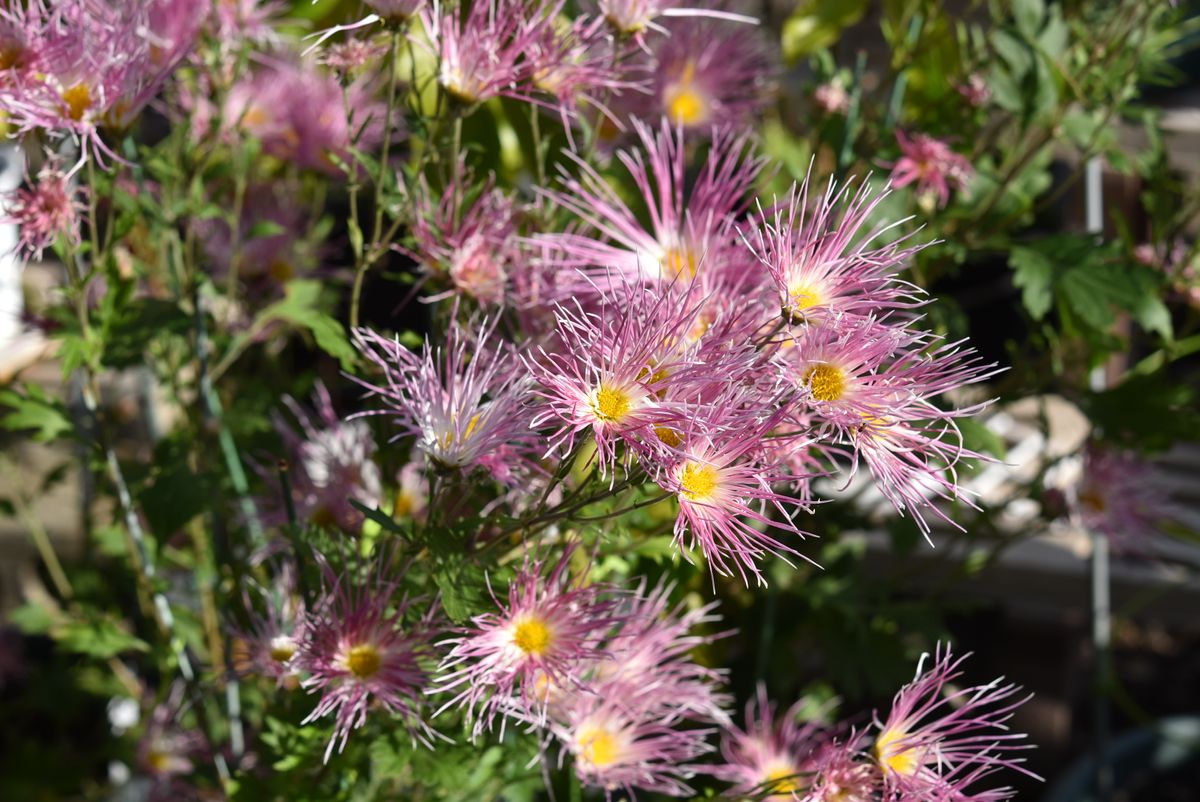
(158, 761)
(893, 755)
(11, 55)
(598, 747)
(78, 99)
(1093, 500)
(282, 648)
(782, 779)
(828, 383)
(610, 404)
(802, 298)
(678, 261)
(532, 636)
(668, 435)
(281, 270)
(697, 481)
(364, 661)
(685, 105)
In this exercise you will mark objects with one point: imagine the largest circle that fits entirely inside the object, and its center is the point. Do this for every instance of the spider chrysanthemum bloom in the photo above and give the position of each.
(465, 237)
(269, 645)
(1122, 497)
(651, 655)
(48, 209)
(939, 738)
(825, 255)
(842, 771)
(613, 364)
(932, 166)
(724, 489)
(331, 461)
(301, 115)
(395, 11)
(633, 18)
(86, 64)
(464, 403)
(772, 757)
(482, 54)
(707, 74)
(364, 644)
(547, 631)
(689, 232)
(620, 743)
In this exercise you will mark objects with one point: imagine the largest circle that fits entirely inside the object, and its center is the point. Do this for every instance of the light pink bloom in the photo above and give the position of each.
(707, 74)
(395, 11)
(727, 497)
(1121, 497)
(689, 232)
(299, 115)
(940, 739)
(360, 645)
(465, 404)
(246, 20)
(331, 462)
(45, 211)
(826, 257)
(975, 90)
(506, 663)
(269, 645)
(771, 757)
(481, 55)
(843, 772)
(832, 98)
(470, 244)
(931, 165)
(633, 18)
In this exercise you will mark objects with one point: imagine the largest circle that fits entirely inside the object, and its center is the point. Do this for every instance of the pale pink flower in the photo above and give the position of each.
(772, 758)
(544, 635)
(940, 739)
(361, 645)
(975, 90)
(932, 166)
(1121, 497)
(832, 98)
(45, 211)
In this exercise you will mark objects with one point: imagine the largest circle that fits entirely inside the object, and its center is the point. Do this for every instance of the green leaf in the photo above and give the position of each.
(300, 308)
(818, 23)
(979, 438)
(1088, 295)
(463, 588)
(98, 637)
(262, 229)
(385, 521)
(33, 619)
(35, 410)
(1029, 16)
(136, 324)
(1033, 272)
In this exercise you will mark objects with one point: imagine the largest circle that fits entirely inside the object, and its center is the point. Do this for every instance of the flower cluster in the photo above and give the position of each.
(937, 742)
(608, 673)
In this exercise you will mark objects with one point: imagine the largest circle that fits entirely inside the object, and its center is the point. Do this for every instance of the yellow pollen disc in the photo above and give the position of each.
(598, 747)
(323, 516)
(782, 780)
(78, 99)
(698, 482)
(668, 435)
(802, 298)
(364, 661)
(828, 383)
(1092, 499)
(610, 404)
(159, 761)
(685, 105)
(532, 636)
(679, 261)
(894, 758)
(282, 649)
(10, 56)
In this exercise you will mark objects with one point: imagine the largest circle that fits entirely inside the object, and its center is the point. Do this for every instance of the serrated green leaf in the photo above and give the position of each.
(34, 410)
(33, 619)
(98, 637)
(1086, 292)
(1033, 272)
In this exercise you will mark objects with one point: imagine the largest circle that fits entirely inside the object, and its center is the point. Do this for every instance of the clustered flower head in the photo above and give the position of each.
(1121, 497)
(932, 167)
(47, 210)
(938, 742)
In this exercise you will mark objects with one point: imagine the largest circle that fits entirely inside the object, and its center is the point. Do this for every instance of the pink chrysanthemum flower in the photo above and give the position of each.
(612, 365)
(168, 749)
(300, 115)
(361, 645)
(938, 739)
(619, 742)
(771, 759)
(268, 647)
(932, 166)
(87, 64)
(975, 90)
(688, 233)
(842, 772)
(832, 98)
(707, 74)
(395, 11)
(412, 493)
(1121, 497)
(825, 258)
(465, 236)
(47, 210)
(651, 654)
(464, 403)
(548, 633)
(331, 462)
(482, 55)
(353, 56)
(724, 488)
(246, 20)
